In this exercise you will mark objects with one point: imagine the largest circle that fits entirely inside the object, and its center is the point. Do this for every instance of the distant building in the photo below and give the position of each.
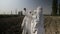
(20, 13)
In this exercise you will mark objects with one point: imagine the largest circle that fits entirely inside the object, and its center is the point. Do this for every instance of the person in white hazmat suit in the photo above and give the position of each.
(33, 22)
(26, 24)
(38, 22)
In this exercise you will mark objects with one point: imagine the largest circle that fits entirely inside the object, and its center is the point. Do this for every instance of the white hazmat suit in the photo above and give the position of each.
(33, 22)
(37, 24)
(40, 21)
(26, 24)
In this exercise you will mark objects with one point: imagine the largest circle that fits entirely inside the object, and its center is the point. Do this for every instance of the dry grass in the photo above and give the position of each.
(11, 25)
(52, 24)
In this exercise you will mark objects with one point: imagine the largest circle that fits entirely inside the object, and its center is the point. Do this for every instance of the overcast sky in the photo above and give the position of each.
(7, 5)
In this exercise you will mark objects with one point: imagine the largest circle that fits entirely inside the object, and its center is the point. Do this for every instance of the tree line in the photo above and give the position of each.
(55, 8)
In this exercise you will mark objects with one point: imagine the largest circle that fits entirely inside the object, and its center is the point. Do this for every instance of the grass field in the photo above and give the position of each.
(52, 24)
(10, 24)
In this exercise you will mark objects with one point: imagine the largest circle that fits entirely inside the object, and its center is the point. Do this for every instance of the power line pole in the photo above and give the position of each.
(54, 7)
(11, 12)
(16, 11)
(59, 9)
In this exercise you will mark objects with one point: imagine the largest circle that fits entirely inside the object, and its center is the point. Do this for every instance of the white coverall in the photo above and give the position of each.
(37, 24)
(40, 21)
(26, 24)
